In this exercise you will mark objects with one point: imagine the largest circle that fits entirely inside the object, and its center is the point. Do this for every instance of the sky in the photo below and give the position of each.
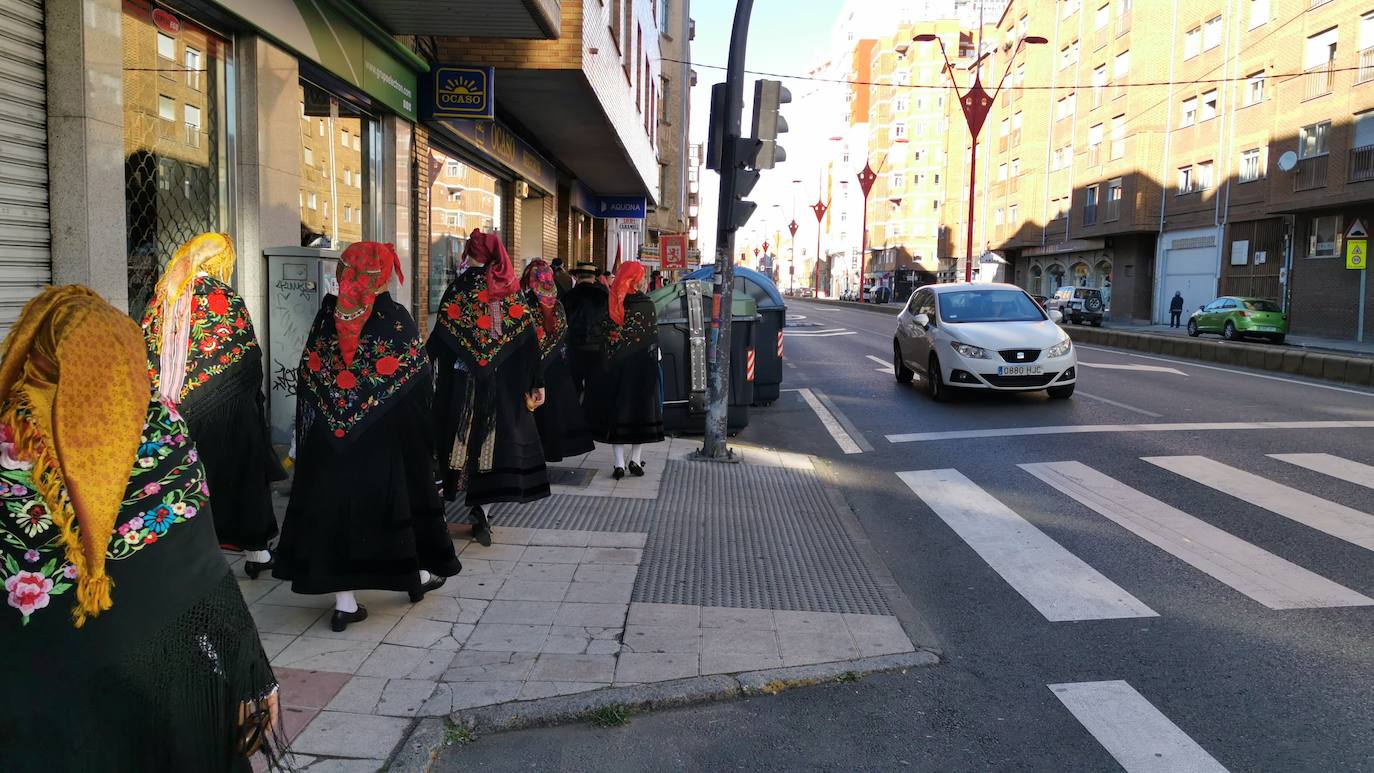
(785, 36)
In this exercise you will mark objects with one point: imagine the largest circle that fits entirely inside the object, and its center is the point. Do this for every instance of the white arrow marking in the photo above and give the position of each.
(1146, 368)
(884, 365)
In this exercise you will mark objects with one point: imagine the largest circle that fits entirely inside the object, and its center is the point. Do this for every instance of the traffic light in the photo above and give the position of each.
(745, 180)
(769, 96)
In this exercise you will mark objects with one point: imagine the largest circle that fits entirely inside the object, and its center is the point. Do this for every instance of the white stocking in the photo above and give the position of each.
(619, 452)
(258, 556)
(425, 576)
(345, 601)
(637, 453)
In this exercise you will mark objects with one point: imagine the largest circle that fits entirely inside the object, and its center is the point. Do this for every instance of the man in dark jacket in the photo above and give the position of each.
(561, 278)
(1176, 308)
(585, 305)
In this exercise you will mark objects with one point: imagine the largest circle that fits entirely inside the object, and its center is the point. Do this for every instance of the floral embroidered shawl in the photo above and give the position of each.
(639, 332)
(479, 329)
(221, 336)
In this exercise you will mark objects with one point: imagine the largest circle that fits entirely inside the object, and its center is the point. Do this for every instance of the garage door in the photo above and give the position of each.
(1191, 271)
(25, 261)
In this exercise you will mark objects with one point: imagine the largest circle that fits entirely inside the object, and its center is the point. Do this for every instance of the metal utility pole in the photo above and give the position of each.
(731, 109)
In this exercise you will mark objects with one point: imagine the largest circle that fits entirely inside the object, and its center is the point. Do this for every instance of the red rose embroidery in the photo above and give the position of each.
(517, 311)
(539, 333)
(388, 365)
(313, 362)
(482, 363)
(346, 380)
(484, 296)
(240, 323)
(223, 331)
(208, 345)
(614, 336)
(219, 304)
(484, 322)
(338, 433)
(452, 311)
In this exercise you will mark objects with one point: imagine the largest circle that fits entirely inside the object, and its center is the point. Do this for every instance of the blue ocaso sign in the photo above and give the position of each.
(457, 91)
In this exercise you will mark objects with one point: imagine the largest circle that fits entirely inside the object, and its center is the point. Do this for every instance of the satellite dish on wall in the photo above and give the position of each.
(1288, 160)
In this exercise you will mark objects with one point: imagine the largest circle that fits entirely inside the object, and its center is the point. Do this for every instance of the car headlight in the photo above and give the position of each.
(971, 352)
(1060, 349)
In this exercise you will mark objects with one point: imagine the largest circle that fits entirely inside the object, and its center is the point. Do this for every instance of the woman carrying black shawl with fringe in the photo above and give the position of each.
(489, 380)
(364, 513)
(204, 359)
(562, 425)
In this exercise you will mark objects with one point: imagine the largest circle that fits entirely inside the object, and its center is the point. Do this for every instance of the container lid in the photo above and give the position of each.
(668, 302)
(761, 288)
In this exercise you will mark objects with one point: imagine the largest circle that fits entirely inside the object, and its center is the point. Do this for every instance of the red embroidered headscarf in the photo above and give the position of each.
(627, 280)
(538, 277)
(364, 272)
(486, 249)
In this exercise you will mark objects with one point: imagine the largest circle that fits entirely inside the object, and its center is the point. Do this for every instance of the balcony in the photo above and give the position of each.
(1013, 183)
(1361, 164)
(1317, 82)
(1317, 3)
(1366, 71)
(1310, 173)
(1111, 210)
(1123, 24)
(1090, 215)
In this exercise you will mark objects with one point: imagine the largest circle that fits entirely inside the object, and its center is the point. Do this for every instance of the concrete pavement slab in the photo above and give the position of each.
(340, 734)
(392, 661)
(550, 667)
(313, 653)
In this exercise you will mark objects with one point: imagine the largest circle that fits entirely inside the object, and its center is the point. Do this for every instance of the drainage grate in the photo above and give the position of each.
(570, 476)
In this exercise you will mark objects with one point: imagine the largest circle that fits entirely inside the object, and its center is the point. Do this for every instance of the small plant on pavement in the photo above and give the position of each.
(456, 734)
(610, 716)
(848, 676)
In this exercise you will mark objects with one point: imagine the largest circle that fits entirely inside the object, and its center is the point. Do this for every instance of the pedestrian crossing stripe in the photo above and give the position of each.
(1063, 587)
(1137, 735)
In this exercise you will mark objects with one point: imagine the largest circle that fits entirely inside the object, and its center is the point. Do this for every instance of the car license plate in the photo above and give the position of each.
(1265, 328)
(1020, 370)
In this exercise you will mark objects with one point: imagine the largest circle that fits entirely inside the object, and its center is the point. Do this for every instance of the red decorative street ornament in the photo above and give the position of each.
(765, 248)
(820, 208)
(792, 228)
(866, 179)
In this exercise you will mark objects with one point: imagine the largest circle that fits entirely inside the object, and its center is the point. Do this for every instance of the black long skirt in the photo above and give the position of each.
(624, 400)
(228, 423)
(517, 473)
(562, 425)
(366, 516)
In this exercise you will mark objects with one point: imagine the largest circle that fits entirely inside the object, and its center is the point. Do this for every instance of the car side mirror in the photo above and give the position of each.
(922, 320)
(1056, 316)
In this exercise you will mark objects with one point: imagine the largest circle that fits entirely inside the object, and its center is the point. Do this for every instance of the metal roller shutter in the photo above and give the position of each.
(25, 258)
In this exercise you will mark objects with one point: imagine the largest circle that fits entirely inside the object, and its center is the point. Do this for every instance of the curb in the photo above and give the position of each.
(421, 747)
(893, 309)
(1324, 366)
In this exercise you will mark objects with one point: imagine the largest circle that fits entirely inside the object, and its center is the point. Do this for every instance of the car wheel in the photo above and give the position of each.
(1192, 328)
(935, 381)
(899, 368)
(1062, 392)
(1229, 332)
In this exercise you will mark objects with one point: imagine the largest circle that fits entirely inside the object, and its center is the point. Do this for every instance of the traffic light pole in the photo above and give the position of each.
(718, 342)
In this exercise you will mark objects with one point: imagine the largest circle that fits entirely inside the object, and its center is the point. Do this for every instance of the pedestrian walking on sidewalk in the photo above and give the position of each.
(364, 513)
(204, 359)
(127, 643)
(585, 305)
(1175, 308)
(625, 404)
(561, 278)
(490, 381)
(562, 425)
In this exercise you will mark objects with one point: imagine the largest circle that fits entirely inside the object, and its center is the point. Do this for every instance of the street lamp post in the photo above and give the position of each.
(976, 104)
(866, 179)
(820, 208)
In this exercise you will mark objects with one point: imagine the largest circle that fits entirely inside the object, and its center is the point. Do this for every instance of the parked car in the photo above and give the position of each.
(1041, 300)
(877, 294)
(984, 336)
(1235, 318)
(1079, 305)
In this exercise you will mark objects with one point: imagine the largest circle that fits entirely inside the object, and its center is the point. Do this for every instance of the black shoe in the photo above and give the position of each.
(618, 473)
(637, 469)
(481, 527)
(416, 596)
(253, 568)
(341, 619)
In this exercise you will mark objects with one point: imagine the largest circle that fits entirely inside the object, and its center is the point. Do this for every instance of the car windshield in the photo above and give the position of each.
(988, 306)
(1258, 305)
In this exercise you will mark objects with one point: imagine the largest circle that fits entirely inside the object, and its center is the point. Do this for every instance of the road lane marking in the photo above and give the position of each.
(1123, 406)
(853, 431)
(1132, 730)
(1230, 370)
(1335, 466)
(1259, 574)
(820, 333)
(1079, 429)
(884, 365)
(1057, 583)
(1325, 516)
(842, 438)
(1141, 368)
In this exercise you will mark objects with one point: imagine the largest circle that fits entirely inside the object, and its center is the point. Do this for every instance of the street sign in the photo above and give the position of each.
(1357, 254)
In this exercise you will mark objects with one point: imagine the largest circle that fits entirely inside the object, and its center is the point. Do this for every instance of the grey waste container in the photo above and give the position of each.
(684, 319)
(768, 334)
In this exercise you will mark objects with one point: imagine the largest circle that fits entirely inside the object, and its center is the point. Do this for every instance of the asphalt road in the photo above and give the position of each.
(1233, 658)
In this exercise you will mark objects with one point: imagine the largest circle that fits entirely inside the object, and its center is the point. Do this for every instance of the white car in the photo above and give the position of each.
(982, 336)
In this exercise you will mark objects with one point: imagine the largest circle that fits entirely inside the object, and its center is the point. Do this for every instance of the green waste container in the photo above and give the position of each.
(684, 322)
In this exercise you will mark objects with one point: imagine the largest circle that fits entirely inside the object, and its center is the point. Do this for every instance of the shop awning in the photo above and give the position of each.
(533, 19)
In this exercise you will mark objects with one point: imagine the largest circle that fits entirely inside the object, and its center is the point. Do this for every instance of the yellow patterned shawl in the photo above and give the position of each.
(74, 390)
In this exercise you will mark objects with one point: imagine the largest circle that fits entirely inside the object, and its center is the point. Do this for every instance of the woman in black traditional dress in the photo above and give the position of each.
(204, 359)
(489, 382)
(126, 642)
(562, 425)
(627, 409)
(364, 513)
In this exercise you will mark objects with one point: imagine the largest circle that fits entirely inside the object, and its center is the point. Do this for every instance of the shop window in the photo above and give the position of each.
(343, 173)
(465, 198)
(175, 155)
(1321, 241)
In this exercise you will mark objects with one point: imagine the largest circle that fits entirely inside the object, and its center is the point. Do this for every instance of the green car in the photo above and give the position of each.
(1235, 318)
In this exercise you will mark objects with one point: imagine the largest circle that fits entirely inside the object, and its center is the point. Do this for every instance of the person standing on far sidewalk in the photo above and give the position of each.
(1175, 308)
(625, 406)
(585, 305)
(490, 382)
(364, 513)
(561, 422)
(561, 278)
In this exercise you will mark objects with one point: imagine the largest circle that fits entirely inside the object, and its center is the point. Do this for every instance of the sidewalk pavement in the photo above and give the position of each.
(1346, 346)
(694, 570)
